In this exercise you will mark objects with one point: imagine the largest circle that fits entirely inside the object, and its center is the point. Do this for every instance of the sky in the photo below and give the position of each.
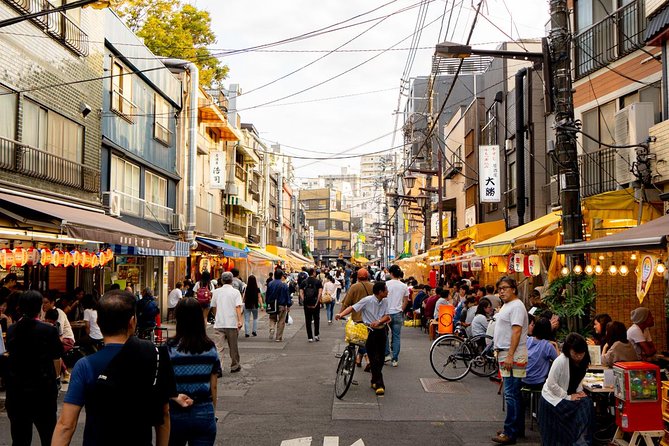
(353, 113)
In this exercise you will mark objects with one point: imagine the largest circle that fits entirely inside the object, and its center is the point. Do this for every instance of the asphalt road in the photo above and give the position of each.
(284, 396)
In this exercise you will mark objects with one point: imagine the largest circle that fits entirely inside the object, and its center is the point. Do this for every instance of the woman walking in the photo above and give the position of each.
(330, 288)
(252, 301)
(202, 291)
(196, 369)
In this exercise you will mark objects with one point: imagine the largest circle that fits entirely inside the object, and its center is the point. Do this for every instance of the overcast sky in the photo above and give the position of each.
(364, 121)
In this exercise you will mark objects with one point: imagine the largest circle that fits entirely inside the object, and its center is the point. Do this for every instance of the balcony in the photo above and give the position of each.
(254, 190)
(597, 172)
(240, 173)
(140, 208)
(236, 229)
(209, 223)
(618, 35)
(254, 235)
(452, 170)
(40, 164)
(57, 24)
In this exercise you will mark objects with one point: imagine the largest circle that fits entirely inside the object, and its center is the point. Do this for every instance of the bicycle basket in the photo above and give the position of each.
(356, 333)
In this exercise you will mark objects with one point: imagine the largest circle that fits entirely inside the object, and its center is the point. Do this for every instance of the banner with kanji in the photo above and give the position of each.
(489, 174)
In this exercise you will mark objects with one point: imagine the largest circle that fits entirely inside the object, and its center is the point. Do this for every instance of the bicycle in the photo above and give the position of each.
(346, 367)
(452, 357)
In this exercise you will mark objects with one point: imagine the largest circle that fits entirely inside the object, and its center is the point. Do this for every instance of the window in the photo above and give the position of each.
(511, 180)
(333, 224)
(51, 132)
(121, 94)
(599, 123)
(124, 178)
(8, 113)
(320, 225)
(155, 196)
(161, 122)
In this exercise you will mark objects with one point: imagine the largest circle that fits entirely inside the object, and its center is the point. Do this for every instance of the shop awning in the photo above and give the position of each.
(238, 242)
(226, 249)
(300, 258)
(651, 235)
(259, 252)
(360, 260)
(503, 244)
(617, 204)
(86, 224)
(182, 250)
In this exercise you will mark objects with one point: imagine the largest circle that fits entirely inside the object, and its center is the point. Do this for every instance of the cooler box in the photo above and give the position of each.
(637, 388)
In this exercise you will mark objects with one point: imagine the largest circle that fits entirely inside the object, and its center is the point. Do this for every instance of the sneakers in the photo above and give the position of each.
(503, 439)
(254, 333)
(394, 363)
(380, 391)
(388, 358)
(246, 335)
(271, 333)
(278, 340)
(311, 340)
(236, 370)
(316, 338)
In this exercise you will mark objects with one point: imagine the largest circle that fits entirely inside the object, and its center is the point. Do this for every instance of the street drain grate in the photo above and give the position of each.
(436, 385)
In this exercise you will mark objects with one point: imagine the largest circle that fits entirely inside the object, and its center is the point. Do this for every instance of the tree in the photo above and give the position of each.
(172, 29)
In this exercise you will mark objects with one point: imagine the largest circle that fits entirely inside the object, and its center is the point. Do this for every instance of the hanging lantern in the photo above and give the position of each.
(109, 255)
(534, 264)
(623, 270)
(45, 257)
(599, 269)
(95, 259)
(76, 257)
(20, 256)
(660, 268)
(589, 270)
(86, 260)
(231, 264)
(3, 258)
(57, 257)
(519, 263)
(67, 259)
(33, 255)
(613, 269)
(526, 266)
(510, 259)
(564, 271)
(578, 269)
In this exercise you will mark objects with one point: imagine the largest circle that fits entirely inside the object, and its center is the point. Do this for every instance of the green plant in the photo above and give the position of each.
(571, 298)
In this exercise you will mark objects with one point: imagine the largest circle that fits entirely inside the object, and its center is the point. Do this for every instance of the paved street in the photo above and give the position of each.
(284, 395)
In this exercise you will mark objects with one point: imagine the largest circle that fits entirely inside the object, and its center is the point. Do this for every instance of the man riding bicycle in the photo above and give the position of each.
(375, 315)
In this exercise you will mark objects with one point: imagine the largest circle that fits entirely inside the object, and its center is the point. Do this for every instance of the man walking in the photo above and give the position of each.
(398, 296)
(311, 292)
(227, 305)
(348, 272)
(510, 341)
(278, 302)
(237, 283)
(359, 290)
(374, 311)
(125, 386)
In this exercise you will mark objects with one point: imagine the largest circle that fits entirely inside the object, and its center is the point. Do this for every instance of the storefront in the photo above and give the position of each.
(262, 263)
(217, 256)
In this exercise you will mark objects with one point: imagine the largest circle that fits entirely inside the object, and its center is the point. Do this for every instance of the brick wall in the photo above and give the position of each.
(616, 295)
(36, 66)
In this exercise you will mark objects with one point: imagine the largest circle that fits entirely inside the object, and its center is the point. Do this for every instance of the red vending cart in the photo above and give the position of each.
(637, 390)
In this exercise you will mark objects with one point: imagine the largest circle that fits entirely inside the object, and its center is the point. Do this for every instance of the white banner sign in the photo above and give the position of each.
(217, 170)
(470, 216)
(311, 238)
(489, 174)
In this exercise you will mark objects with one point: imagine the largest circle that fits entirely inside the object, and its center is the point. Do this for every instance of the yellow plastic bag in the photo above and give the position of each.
(356, 333)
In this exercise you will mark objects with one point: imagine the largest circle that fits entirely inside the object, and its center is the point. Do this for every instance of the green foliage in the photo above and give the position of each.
(571, 298)
(171, 28)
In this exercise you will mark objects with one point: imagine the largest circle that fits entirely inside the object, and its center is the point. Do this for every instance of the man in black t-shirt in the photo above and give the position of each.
(33, 366)
(125, 387)
(310, 292)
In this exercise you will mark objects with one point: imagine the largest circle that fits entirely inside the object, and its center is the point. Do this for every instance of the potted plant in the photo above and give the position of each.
(571, 297)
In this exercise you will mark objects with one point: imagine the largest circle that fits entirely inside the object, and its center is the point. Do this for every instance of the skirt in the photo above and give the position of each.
(567, 422)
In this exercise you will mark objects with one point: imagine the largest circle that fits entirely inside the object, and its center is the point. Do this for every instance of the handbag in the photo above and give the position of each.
(326, 298)
(272, 307)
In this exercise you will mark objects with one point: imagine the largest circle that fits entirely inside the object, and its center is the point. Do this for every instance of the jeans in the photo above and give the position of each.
(27, 408)
(315, 315)
(396, 322)
(374, 345)
(347, 284)
(338, 294)
(329, 310)
(247, 317)
(195, 425)
(514, 423)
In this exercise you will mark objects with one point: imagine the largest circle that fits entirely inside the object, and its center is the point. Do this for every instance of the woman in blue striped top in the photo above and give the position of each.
(197, 369)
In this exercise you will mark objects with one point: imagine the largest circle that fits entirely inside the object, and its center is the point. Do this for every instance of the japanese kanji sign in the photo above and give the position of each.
(489, 174)
(217, 170)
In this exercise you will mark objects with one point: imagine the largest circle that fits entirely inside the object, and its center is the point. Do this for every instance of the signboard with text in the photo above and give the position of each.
(217, 170)
(311, 238)
(489, 174)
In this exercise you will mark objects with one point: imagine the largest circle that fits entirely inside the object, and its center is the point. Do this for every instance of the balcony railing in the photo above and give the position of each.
(123, 106)
(56, 24)
(618, 35)
(240, 173)
(38, 163)
(236, 229)
(597, 172)
(209, 223)
(162, 133)
(138, 207)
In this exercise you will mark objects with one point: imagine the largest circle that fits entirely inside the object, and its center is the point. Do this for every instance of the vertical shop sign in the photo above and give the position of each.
(489, 175)
(217, 170)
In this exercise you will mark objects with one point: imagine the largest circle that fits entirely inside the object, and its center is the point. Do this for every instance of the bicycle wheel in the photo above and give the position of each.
(345, 370)
(449, 357)
(483, 362)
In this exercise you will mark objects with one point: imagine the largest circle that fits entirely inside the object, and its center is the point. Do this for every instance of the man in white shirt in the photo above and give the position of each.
(639, 335)
(227, 304)
(173, 299)
(398, 296)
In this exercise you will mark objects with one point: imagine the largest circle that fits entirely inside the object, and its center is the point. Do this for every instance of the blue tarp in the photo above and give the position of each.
(226, 249)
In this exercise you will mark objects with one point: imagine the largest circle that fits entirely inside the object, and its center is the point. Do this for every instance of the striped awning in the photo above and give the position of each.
(225, 248)
(182, 249)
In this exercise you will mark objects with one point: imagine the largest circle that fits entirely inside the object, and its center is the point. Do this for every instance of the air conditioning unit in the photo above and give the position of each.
(178, 223)
(631, 127)
(111, 202)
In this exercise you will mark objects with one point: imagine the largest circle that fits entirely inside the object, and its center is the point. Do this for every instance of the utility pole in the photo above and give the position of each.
(565, 138)
(428, 147)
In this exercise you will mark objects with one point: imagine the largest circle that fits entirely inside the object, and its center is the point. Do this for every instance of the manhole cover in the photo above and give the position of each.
(436, 385)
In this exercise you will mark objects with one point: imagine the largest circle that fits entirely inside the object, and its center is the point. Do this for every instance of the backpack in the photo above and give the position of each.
(147, 310)
(310, 293)
(204, 295)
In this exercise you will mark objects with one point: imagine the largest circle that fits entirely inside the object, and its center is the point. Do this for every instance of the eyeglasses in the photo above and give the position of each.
(503, 288)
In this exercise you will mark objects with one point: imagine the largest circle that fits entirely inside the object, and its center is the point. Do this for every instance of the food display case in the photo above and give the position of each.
(637, 389)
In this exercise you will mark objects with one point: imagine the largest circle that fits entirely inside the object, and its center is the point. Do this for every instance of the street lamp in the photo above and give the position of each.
(410, 181)
(459, 51)
(421, 200)
(95, 4)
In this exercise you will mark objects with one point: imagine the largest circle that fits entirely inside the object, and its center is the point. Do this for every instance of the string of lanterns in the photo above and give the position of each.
(612, 270)
(32, 256)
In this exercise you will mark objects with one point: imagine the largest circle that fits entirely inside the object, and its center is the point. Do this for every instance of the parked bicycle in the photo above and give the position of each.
(346, 365)
(453, 356)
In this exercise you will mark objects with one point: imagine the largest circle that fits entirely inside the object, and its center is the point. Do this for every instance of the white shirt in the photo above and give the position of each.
(397, 291)
(65, 325)
(91, 316)
(557, 383)
(635, 335)
(331, 288)
(512, 313)
(226, 299)
(2, 343)
(174, 298)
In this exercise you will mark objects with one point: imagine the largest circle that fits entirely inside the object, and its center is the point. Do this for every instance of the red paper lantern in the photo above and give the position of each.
(57, 257)
(20, 256)
(67, 259)
(76, 257)
(86, 260)
(3, 258)
(45, 257)
(95, 260)
(33, 256)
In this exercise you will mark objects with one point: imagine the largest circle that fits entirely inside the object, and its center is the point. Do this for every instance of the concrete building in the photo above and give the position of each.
(332, 230)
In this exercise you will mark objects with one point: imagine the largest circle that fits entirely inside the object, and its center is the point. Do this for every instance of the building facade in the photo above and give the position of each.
(332, 230)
